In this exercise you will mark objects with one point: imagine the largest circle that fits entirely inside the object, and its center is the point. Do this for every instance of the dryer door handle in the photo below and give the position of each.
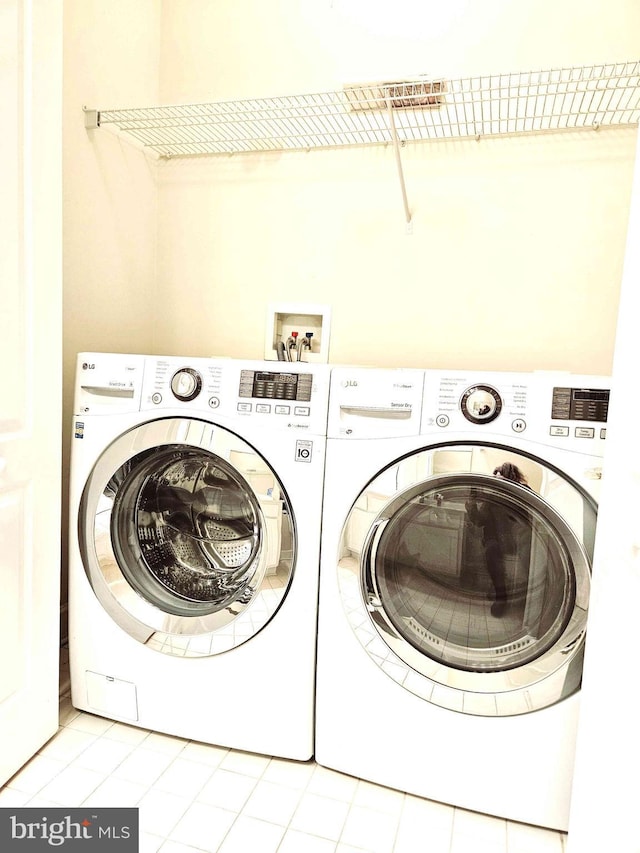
(369, 553)
(369, 586)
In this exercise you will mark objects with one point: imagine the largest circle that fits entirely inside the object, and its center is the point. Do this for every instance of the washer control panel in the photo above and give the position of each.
(273, 385)
(295, 398)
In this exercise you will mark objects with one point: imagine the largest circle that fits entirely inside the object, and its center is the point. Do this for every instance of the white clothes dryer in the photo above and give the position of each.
(453, 599)
(195, 504)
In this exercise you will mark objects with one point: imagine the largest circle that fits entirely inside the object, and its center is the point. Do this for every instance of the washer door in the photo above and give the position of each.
(187, 537)
(475, 588)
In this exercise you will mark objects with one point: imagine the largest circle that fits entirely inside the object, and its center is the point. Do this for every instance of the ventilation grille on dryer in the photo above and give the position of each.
(421, 631)
(516, 646)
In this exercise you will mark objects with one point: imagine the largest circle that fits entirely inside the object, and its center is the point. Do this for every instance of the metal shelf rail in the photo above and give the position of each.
(521, 102)
(394, 113)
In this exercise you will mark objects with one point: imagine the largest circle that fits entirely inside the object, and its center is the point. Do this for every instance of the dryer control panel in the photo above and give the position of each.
(463, 400)
(580, 404)
(562, 410)
(580, 411)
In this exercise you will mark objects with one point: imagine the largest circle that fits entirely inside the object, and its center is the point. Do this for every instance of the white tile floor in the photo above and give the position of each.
(194, 797)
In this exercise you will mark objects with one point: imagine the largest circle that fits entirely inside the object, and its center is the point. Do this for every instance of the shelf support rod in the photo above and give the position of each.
(396, 148)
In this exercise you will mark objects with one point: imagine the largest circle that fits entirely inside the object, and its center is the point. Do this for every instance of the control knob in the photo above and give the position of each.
(186, 384)
(481, 404)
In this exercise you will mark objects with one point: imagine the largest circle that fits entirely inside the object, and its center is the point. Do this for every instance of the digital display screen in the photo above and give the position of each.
(273, 385)
(580, 404)
(591, 396)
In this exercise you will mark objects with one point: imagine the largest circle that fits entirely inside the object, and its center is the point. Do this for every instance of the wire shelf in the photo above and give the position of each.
(383, 113)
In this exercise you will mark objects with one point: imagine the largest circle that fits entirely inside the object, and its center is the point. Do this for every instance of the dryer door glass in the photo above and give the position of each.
(188, 537)
(477, 584)
(472, 574)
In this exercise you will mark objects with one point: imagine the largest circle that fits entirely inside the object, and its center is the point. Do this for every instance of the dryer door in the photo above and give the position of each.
(187, 537)
(476, 588)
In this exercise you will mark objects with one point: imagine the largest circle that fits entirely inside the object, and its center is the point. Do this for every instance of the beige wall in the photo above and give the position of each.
(514, 261)
(111, 58)
(515, 257)
(251, 48)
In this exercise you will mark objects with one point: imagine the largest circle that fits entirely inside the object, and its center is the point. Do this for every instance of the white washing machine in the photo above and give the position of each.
(453, 600)
(196, 495)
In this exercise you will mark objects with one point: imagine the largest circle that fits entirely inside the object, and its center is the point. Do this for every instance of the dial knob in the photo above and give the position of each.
(481, 404)
(186, 384)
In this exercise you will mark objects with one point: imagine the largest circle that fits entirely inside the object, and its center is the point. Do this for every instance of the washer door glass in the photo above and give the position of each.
(198, 529)
(187, 537)
(477, 584)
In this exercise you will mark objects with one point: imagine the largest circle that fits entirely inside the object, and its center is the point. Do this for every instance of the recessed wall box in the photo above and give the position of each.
(309, 321)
